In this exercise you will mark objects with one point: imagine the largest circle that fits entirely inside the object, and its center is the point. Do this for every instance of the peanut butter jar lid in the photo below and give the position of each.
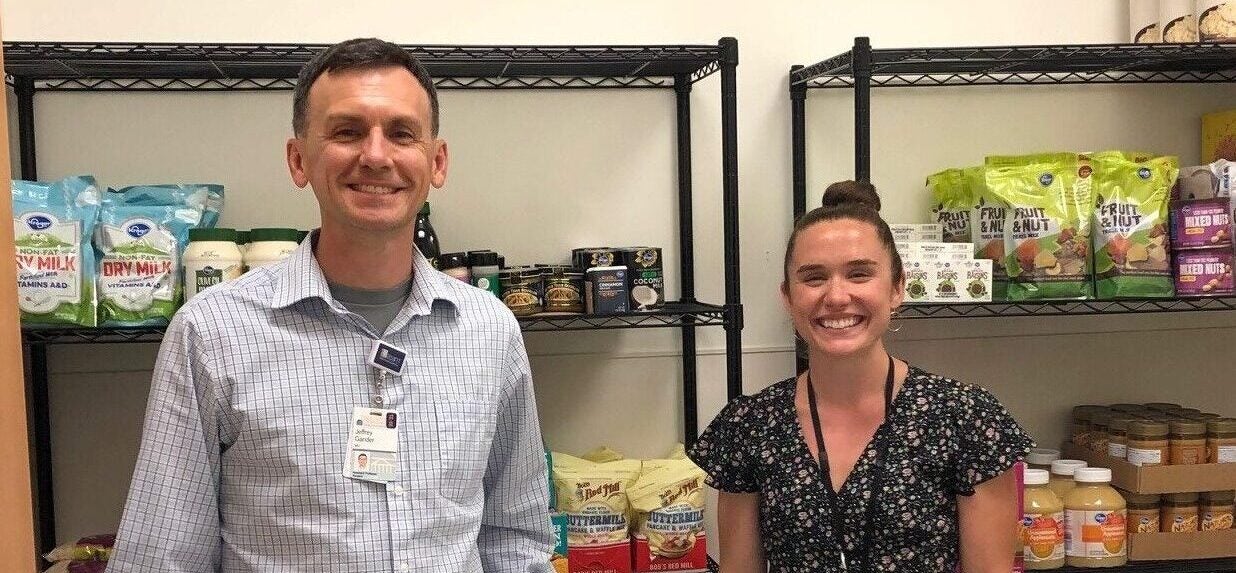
(1187, 428)
(1221, 426)
(1187, 498)
(1120, 423)
(1218, 497)
(1162, 406)
(1126, 408)
(1148, 430)
(1084, 412)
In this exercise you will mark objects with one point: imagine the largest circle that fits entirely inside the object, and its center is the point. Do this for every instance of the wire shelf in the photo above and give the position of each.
(674, 314)
(114, 66)
(1030, 65)
(1066, 308)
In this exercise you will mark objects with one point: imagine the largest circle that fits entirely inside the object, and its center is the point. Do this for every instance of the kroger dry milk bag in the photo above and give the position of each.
(141, 234)
(52, 225)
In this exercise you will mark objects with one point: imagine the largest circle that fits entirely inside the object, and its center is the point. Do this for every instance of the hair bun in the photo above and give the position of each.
(853, 193)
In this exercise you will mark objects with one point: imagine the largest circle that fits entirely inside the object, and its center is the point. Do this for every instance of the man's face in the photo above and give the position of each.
(362, 461)
(368, 150)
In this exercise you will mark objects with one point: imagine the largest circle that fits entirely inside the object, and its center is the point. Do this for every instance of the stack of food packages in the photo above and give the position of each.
(87, 257)
(1081, 225)
(630, 516)
(86, 555)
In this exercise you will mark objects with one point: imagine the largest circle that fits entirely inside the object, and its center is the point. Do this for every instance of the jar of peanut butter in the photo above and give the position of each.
(1096, 521)
(1147, 443)
(1117, 432)
(1216, 509)
(1163, 406)
(1098, 430)
(1081, 424)
(1143, 511)
(1221, 441)
(1179, 514)
(1187, 442)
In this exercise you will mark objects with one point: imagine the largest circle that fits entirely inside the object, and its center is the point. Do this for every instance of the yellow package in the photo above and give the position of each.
(678, 452)
(669, 505)
(594, 498)
(1219, 136)
(603, 454)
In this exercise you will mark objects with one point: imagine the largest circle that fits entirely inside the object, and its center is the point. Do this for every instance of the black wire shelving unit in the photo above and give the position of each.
(35, 67)
(863, 68)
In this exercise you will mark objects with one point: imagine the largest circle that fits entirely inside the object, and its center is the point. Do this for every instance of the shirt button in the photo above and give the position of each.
(377, 401)
(398, 489)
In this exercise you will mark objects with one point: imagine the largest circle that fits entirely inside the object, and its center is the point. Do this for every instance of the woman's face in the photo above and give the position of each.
(840, 290)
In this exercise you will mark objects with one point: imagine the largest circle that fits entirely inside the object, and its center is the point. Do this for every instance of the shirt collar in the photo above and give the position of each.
(301, 278)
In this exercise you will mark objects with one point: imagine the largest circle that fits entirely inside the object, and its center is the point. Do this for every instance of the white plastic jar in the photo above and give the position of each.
(210, 258)
(269, 246)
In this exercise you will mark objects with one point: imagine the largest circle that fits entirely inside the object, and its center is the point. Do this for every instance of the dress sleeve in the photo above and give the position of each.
(988, 440)
(723, 451)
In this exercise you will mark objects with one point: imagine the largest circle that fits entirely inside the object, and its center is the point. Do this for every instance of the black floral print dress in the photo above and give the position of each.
(940, 439)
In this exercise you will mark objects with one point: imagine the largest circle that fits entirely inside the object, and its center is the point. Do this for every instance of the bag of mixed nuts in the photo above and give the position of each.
(1132, 253)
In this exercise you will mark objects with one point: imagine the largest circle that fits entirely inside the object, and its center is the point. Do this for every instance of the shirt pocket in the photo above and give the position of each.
(465, 435)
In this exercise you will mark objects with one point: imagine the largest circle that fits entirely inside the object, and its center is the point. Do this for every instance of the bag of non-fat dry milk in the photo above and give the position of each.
(141, 234)
(52, 226)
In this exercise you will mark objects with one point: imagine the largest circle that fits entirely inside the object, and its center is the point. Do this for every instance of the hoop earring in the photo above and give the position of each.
(892, 315)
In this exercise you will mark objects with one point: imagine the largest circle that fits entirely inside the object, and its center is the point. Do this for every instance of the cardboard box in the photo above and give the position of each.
(1198, 545)
(695, 560)
(918, 279)
(976, 280)
(1159, 479)
(608, 558)
(1219, 136)
(917, 232)
(1203, 272)
(1201, 223)
(945, 282)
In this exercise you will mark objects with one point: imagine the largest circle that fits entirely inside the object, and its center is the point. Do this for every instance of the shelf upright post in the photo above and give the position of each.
(729, 161)
(38, 409)
(862, 108)
(798, 146)
(686, 254)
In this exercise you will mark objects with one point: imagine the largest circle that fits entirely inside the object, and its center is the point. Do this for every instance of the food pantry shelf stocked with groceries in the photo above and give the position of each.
(1173, 474)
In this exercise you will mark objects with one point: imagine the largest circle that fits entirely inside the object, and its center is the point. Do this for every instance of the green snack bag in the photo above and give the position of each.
(1051, 157)
(1132, 254)
(951, 204)
(987, 218)
(1047, 235)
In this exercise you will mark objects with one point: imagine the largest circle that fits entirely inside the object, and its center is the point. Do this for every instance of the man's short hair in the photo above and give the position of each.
(358, 54)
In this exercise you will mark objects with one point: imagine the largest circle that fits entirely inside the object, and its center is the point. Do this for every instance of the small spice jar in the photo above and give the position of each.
(1216, 509)
(1221, 441)
(1179, 513)
(1143, 511)
(1098, 430)
(520, 290)
(1117, 431)
(1147, 443)
(1187, 442)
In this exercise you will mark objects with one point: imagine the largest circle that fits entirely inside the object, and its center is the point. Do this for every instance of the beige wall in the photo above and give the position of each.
(598, 167)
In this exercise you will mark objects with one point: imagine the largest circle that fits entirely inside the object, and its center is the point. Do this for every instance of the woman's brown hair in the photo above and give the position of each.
(854, 200)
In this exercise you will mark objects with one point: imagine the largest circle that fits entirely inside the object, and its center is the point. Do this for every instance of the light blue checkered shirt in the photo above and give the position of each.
(242, 456)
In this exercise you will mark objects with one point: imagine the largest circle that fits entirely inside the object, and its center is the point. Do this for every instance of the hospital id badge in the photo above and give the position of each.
(373, 445)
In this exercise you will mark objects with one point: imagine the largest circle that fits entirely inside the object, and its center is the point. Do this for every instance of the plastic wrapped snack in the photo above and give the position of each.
(1047, 230)
(951, 203)
(603, 454)
(52, 225)
(1132, 254)
(987, 221)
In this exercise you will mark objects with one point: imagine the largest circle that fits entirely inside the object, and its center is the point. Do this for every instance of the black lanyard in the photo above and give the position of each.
(877, 480)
